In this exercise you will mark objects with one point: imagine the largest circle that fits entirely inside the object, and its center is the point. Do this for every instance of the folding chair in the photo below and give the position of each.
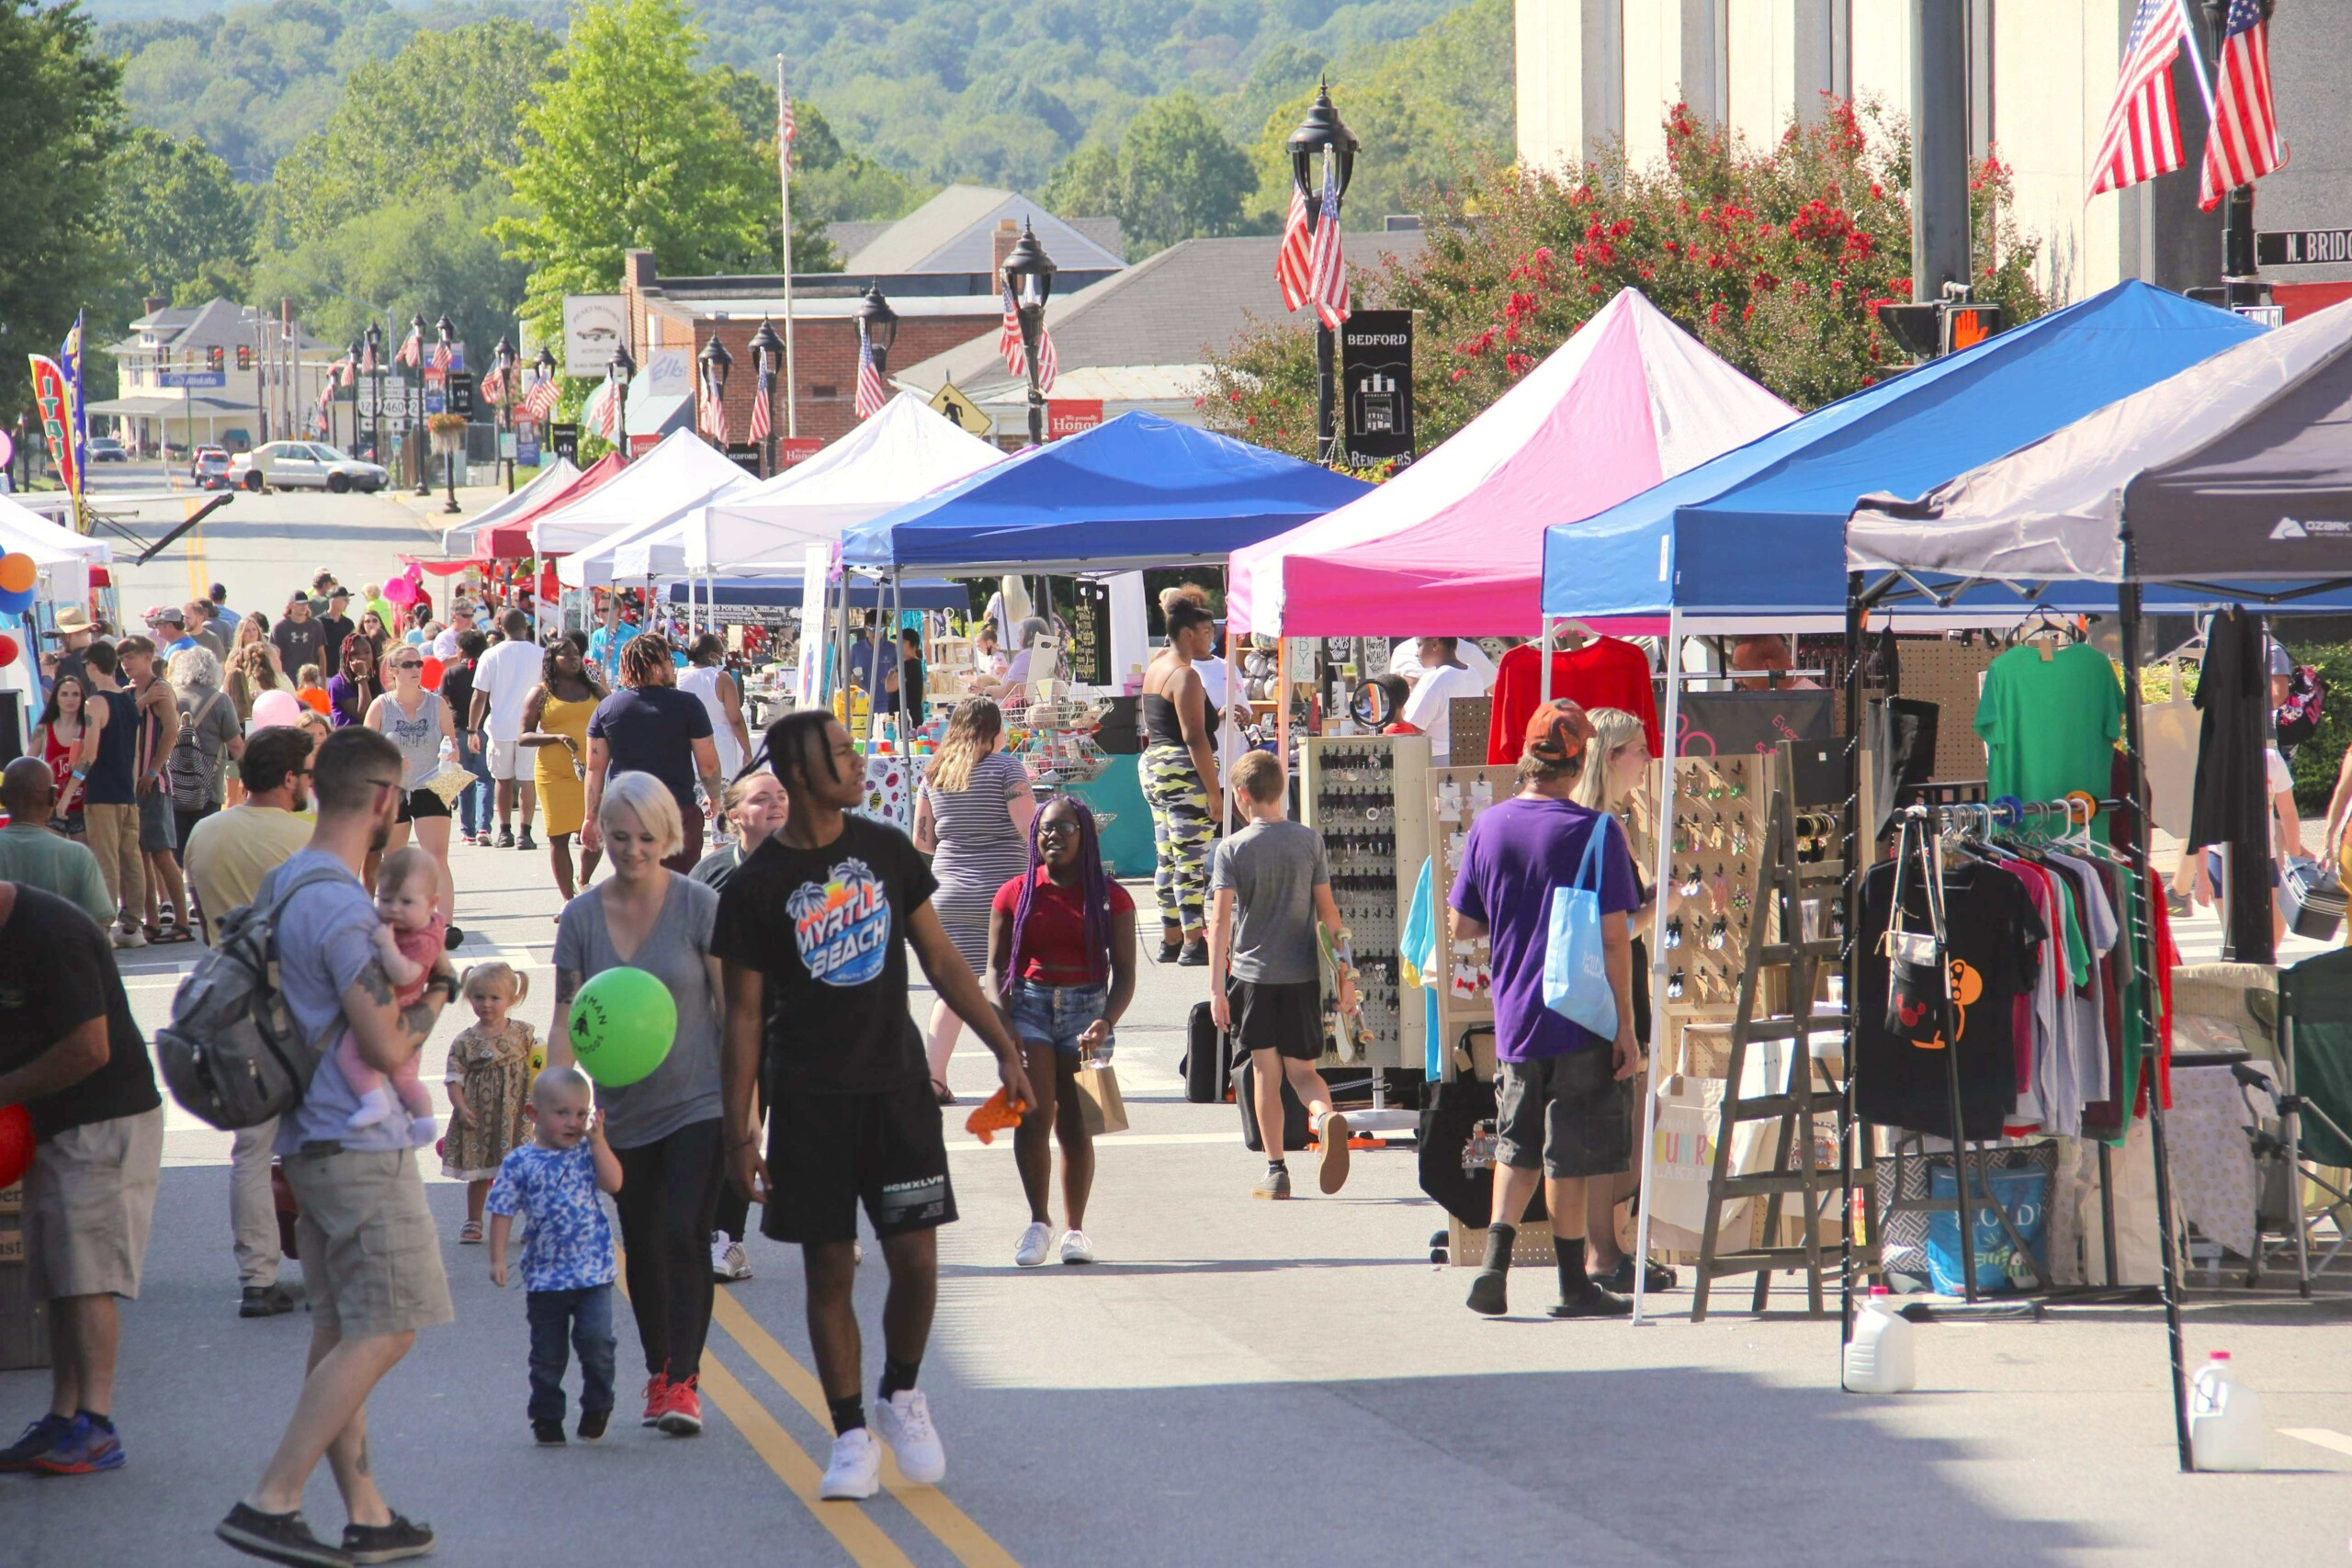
(2314, 1098)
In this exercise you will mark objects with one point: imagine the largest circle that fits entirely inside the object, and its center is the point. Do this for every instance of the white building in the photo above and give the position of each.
(236, 342)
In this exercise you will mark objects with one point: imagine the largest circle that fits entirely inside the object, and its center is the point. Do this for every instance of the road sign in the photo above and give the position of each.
(1376, 376)
(526, 443)
(364, 399)
(950, 401)
(178, 379)
(565, 439)
(2301, 247)
(435, 401)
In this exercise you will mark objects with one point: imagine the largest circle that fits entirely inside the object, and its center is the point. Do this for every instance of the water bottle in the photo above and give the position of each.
(1878, 1359)
(2225, 1430)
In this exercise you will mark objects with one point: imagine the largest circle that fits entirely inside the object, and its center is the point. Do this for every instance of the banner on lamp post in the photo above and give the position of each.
(1376, 379)
(1072, 416)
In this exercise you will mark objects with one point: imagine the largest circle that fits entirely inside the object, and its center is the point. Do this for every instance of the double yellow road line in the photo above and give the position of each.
(867, 1543)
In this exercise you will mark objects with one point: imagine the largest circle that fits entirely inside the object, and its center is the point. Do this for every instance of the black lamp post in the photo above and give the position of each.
(1029, 274)
(618, 372)
(416, 426)
(502, 356)
(767, 361)
(1319, 132)
(716, 363)
(373, 341)
(353, 362)
(449, 368)
(879, 326)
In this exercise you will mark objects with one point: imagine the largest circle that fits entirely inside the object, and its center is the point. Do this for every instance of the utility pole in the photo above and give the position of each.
(1942, 316)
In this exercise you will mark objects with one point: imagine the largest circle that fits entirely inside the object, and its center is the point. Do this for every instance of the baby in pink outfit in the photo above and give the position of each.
(412, 935)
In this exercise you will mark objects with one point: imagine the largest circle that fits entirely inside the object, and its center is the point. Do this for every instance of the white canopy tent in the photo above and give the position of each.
(61, 563)
(460, 539)
(905, 452)
(654, 492)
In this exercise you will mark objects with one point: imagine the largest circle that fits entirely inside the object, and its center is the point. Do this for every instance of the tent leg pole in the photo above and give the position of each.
(1662, 826)
(1544, 680)
(2129, 604)
(1281, 701)
(1851, 832)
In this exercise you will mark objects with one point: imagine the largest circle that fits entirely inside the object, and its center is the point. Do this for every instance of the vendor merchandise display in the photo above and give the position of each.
(1361, 794)
(1606, 672)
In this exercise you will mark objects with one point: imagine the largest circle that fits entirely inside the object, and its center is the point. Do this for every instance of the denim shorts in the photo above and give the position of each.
(1055, 1015)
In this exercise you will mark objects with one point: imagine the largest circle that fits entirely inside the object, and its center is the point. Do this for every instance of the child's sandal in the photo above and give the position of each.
(469, 1233)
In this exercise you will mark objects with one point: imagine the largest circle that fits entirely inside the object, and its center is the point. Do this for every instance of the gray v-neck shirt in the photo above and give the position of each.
(684, 1089)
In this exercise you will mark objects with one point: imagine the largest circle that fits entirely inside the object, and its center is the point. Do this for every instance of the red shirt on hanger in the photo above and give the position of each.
(1606, 672)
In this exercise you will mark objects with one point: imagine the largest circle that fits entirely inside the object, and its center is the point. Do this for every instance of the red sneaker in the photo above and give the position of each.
(657, 1398)
(682, 1410)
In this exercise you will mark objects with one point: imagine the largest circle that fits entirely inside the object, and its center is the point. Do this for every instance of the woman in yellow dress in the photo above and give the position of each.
(555, 722)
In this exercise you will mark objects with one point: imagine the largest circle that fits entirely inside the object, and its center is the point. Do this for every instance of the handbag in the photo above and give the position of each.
(1917, 979)
(1576, 970)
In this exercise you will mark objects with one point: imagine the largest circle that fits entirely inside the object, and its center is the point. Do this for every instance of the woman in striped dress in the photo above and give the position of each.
(972, 818)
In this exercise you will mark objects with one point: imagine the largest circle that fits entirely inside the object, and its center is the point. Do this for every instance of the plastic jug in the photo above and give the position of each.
(2225, 1430)
(1878, 1359)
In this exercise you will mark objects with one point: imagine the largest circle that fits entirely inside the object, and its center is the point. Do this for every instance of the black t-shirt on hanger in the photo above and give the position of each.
(1992, 933)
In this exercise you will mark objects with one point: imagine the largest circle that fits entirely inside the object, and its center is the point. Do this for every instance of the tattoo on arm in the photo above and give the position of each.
(567, 985)
(376, 983)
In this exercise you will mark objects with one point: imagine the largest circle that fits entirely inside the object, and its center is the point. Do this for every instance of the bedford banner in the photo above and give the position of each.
(1376, 383)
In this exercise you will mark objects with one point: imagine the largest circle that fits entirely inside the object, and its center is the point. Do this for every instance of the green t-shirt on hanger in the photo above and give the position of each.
(2049, 725)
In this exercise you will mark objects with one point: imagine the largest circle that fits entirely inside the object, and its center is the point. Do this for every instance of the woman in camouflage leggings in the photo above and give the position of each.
(1180, 783)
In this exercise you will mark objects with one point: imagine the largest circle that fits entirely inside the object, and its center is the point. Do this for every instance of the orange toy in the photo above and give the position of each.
(998, 1112)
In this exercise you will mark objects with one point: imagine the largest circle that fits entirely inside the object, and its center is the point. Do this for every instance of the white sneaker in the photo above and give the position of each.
(1034, 1243)
(129, 936)
(728, 1260)
(1076, 1249)
(854, 1472)
(905, 1421)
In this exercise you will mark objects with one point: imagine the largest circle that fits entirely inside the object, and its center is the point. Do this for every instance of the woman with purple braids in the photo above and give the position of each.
(1062, 965)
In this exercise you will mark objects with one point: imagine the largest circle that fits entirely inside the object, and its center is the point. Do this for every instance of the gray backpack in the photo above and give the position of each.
(233, 1053)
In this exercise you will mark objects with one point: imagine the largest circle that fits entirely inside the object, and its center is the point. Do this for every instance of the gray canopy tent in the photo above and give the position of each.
(2229, 482)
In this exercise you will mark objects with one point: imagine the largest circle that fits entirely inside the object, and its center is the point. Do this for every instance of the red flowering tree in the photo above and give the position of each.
(1775, 259)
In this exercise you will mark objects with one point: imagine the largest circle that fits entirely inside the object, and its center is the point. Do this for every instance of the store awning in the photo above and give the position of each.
(1139, 490)
(2238, 466)
(1760, 532)
(1455, 542)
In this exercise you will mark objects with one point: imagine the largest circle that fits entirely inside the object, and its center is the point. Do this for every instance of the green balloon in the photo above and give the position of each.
(622, 1023)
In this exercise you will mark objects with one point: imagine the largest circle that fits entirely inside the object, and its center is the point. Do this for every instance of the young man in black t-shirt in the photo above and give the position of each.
(812, 932)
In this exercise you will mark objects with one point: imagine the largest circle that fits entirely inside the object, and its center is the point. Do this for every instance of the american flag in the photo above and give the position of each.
(2143, 137)
(1327, 270)
(541, 401)
(493, 386)
(784, 131)
(412, 348)
(714, 411)
(1047, 363)
(1290, 262)
(1008, 339)
(600, 413)
(2245, 143)
(366, 357)
(871, 394)
(345, 370)
(442, 355)
(763, 422)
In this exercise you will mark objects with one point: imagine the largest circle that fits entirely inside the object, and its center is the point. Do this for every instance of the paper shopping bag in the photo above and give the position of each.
(1098, 1099)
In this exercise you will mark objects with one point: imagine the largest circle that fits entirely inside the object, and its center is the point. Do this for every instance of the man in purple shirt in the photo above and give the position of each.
(1560, 1093)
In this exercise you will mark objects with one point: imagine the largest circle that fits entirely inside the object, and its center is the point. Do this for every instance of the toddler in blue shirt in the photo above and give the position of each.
(566, 1249)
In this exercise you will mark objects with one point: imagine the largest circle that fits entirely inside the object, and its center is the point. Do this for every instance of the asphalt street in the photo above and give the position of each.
(1234, 1383)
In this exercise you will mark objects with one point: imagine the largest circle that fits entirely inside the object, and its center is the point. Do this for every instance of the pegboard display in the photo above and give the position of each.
(1464, 975)
(1950, 674)
(1719, 806)
(1350, 790)
(1467, 719)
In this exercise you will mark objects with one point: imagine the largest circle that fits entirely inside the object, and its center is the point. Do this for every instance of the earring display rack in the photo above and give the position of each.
(1719, 820)
(1361, 794)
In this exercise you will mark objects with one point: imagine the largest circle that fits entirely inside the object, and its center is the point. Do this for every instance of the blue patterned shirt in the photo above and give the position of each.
(568, 1243)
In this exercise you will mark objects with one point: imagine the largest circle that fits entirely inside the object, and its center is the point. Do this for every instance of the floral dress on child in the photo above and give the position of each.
(492, 1069)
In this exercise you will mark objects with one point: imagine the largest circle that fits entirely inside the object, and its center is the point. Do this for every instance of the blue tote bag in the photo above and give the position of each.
(1576, 972)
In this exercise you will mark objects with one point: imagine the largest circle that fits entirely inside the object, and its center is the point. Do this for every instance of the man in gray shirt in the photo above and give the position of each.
(1269, 884)
(370, 1259)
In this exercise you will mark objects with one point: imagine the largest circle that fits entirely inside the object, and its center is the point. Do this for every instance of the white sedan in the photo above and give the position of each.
(286, 465)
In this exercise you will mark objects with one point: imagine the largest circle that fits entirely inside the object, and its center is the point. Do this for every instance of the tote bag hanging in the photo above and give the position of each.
(1576, 972)
(1916, 981)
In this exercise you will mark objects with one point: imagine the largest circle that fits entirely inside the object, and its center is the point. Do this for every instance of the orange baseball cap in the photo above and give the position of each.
(1557, 731)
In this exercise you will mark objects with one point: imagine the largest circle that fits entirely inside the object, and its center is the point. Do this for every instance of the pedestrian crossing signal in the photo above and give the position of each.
(1967, 325)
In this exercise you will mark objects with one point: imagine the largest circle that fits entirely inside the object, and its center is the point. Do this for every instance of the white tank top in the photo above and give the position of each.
(702, 680)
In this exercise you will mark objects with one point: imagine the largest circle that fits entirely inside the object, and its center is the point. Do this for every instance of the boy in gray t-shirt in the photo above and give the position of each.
(1269, 884)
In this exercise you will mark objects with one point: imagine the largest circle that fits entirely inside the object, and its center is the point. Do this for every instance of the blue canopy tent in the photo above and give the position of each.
(1138, 491)
(1757, 536)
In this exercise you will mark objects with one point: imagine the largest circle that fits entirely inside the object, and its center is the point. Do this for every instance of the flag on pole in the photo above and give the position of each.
(785, 128)
(1047, 363)
(411, 352)
(366, 357)
(2243, 144)
(601, 413)
(1290, 262)
(541, 403)
(2142, 136)
(1008, 338)
(345, 370)
(763, 422)
(1326, 269)
(871, 394)
(714, 411)
(442, 355)
(493, 386)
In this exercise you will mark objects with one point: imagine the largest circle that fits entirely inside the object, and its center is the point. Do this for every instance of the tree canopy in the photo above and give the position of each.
(1175, 175)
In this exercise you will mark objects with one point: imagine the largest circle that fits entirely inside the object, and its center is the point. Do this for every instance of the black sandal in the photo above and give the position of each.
(1619, 1280)
(947, 1095)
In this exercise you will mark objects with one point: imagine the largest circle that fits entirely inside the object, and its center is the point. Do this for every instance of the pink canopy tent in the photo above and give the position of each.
(1454, 544)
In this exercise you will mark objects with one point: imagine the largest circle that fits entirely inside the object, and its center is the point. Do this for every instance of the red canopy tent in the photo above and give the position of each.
(511, 540)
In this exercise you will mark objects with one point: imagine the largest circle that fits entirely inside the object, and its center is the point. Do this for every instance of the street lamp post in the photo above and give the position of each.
(619, 372)
(879, 323)
(767, 359)
(416, 426)
(503, 358)
(1322, 131)
(716, 363)
(446, 353)
(373, 339)
(1029, 274)
(353, 361)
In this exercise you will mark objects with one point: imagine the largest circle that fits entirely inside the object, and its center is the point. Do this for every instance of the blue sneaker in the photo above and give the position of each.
(39, 1439)
(87, 1449)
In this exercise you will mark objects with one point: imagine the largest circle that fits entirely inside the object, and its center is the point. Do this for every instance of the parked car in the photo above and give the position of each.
(289, 465)
(210, 470)
(195, 464)
(107, 449)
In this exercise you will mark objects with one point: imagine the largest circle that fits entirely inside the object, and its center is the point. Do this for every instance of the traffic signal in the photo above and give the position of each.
(244, 356)
(1966, 325)
(214, 356)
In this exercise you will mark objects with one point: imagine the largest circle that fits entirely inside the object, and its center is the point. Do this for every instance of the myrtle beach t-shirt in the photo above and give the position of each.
(827, 930)
(1520, 849)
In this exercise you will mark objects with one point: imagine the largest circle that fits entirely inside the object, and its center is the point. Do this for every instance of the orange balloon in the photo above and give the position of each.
(16, 571)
